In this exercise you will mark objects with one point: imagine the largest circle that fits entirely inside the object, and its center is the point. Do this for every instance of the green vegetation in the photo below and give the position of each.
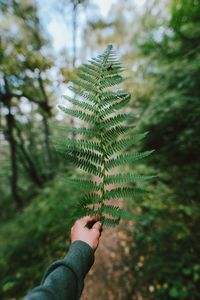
(167, 241)
(159, 44)
(35, 238)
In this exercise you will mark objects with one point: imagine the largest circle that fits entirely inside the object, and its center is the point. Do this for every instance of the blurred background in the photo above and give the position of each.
(42, 45)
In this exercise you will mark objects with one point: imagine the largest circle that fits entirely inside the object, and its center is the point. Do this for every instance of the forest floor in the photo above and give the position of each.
(111, 277)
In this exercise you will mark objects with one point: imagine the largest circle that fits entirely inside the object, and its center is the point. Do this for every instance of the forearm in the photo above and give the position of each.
(61, 283)
(65, 278)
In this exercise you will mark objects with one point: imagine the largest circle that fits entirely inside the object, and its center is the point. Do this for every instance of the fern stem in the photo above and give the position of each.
(102, 146)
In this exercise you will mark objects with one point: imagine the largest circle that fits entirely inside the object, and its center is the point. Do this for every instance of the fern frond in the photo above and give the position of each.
(111, 81)
(83, 184)
(91, 198)
(90, 70)
(113, 121)
(126, 178)
(112, 210)
(93, 71)
(87, 79)
(78, 145)
(92, 157)
(86, 211)
(81, 104)
(78, 131)
(122, 193)
(84, 94)
(124, 143)
(115, 132)
(78, 114)
(81, 153)
(110, 222)
(109, 97)
(94, 62)
(88, 155)
(85, 165)
(98, 101)
(91, 211)
(113, 107)
(126, 159)
(92, 88)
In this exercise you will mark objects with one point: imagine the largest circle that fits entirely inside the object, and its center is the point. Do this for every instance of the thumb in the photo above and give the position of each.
(97, 226)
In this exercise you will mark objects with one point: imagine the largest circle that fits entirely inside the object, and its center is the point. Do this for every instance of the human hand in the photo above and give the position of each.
(82, 233)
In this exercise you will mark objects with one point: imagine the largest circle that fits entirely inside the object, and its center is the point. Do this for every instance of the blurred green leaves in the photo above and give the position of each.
(35, 238)
(169, 238)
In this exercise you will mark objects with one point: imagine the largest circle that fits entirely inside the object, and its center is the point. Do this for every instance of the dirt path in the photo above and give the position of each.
(111, 277)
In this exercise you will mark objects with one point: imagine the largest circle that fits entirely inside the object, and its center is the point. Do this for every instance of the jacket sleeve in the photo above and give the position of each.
(64, 278)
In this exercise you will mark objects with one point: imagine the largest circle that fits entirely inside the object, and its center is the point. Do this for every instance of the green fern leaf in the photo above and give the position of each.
(98, 101)
(79, 145)
(115, 132)
(82, 154)
(123, 193)
(91, 198)
(87, 78)
(110, 222)
(124, 143)
(89, 132)
(83, 184)
(84, 95)
(113, 107)
(92, 88)
(78, 114)
(84, 164)
(112, 210)
(111, 81)
(126, 178)
(113, 121)
(126, 159)
(90, 70)
(90, 156)
(81, 104)
(109, 97)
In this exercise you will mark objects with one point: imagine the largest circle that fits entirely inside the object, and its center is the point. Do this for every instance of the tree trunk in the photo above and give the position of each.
(10, 122)
(13, 156)
(47, 148)
(27, 161)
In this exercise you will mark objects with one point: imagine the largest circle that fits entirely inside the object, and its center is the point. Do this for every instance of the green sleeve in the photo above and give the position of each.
(64, 278)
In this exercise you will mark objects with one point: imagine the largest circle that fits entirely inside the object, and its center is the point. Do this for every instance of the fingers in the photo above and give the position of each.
(96, 230)
(97, 226)
(88, 233)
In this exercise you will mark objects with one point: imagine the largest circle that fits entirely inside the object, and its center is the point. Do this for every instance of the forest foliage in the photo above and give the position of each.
(159, 45)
